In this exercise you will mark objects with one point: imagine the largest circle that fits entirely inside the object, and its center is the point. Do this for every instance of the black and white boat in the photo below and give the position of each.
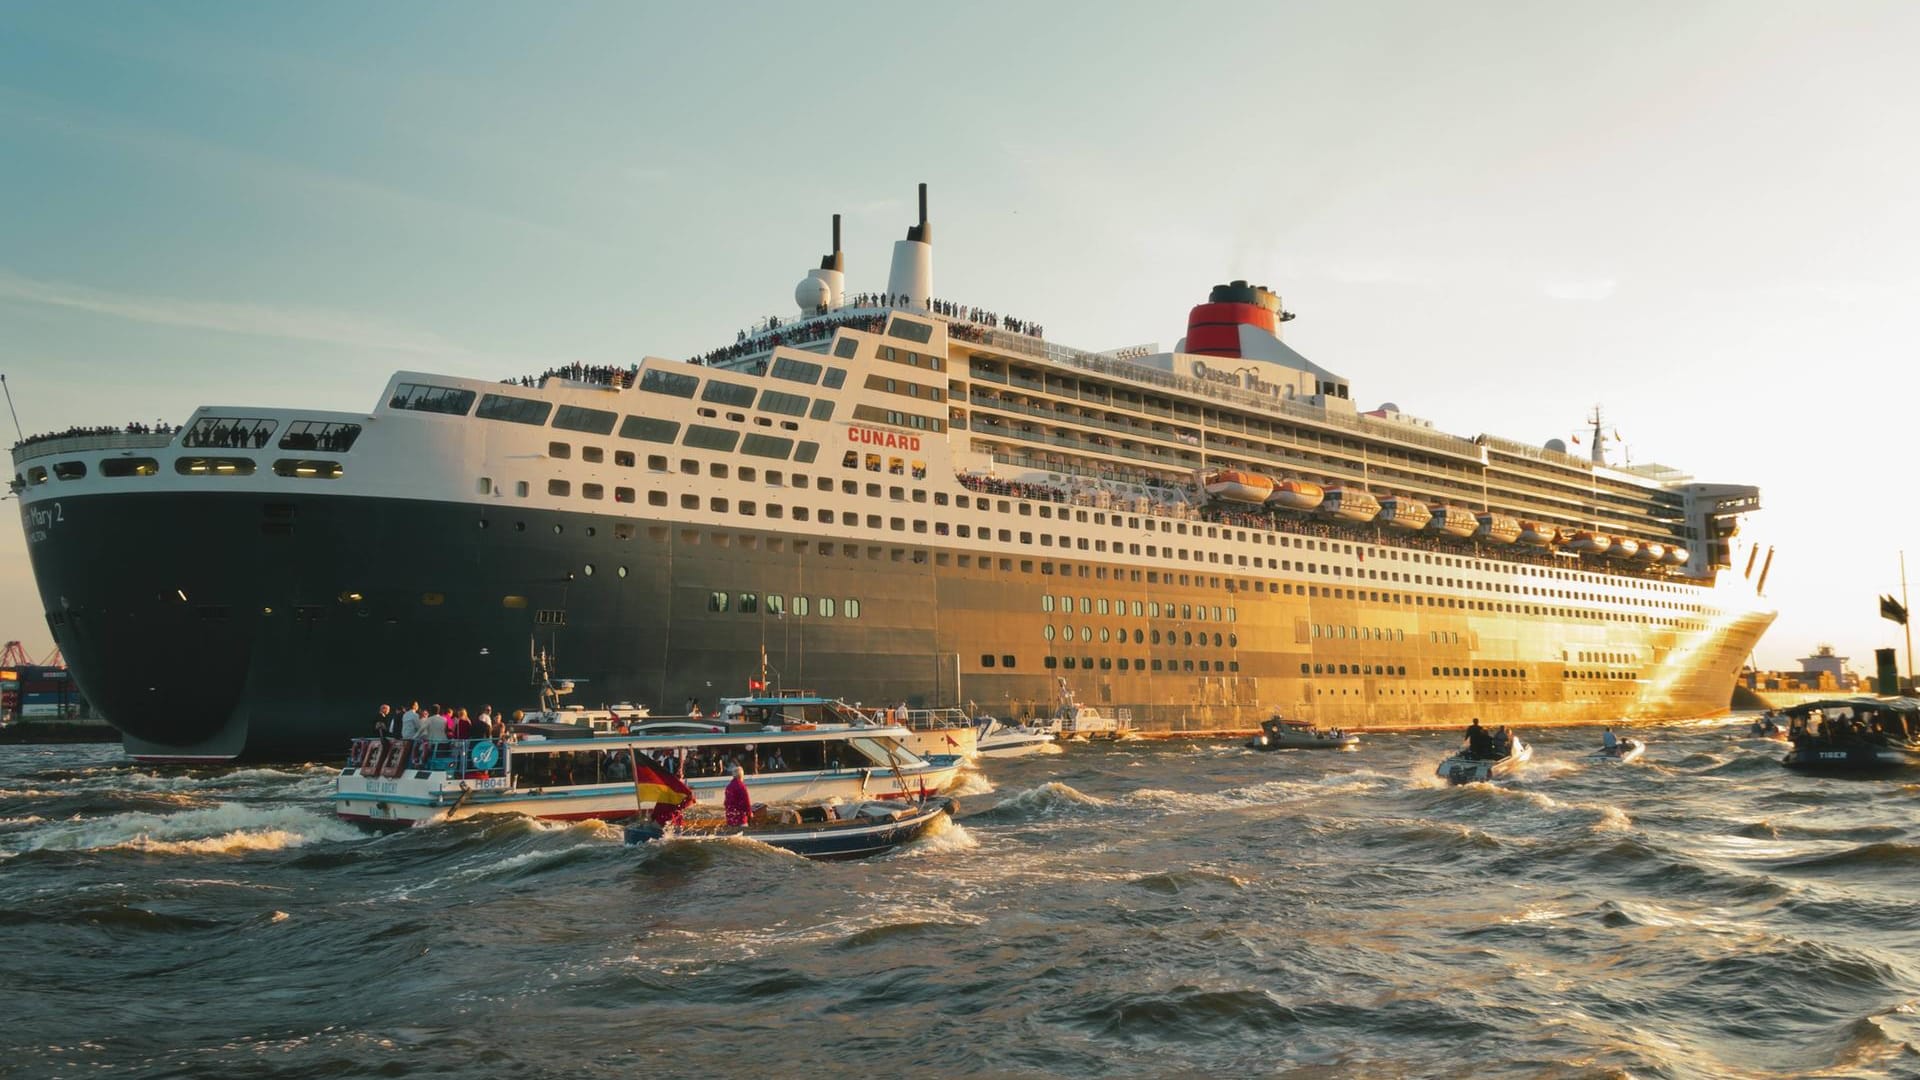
(1854, 736)
(1001, 740)
(1462, 769)
(1279, 733)
(819, 832)
(1623, 752)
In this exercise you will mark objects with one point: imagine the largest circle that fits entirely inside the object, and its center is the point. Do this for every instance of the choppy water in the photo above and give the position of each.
(1146, 909)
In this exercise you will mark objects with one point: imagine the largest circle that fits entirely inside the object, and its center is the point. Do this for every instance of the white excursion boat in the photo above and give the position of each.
(562, 772)
(929, 732)
(1461, 769)
(998, 740)
(1072, 720)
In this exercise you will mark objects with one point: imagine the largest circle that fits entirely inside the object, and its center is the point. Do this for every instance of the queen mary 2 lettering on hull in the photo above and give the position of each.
(897, 497)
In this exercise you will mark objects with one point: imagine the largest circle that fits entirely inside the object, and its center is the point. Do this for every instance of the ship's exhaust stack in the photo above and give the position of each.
(1220, 326)
(824, 289)
(910, 281)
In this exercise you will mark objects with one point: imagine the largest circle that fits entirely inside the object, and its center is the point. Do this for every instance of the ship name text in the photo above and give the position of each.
(890, 440)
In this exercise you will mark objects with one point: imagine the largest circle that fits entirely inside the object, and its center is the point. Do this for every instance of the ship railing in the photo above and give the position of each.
(455, 757)
(935, 719)
(67, 444)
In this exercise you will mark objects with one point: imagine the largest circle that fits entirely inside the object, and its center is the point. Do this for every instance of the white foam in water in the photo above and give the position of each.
(971, 782)
(229, 828)
(945, 837)
(1051, 793)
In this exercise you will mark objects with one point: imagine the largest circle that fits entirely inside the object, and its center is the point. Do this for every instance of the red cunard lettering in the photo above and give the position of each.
(887, 439)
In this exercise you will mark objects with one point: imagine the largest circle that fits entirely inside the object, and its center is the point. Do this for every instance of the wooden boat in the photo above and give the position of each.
(1400, 512)
(1452, 521)
(817, 832)
(1296, 495)
(1239, 485)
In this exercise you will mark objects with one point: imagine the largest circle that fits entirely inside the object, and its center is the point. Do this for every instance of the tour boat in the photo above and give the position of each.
(1854, 736)
(1280, 733)
(816, 832)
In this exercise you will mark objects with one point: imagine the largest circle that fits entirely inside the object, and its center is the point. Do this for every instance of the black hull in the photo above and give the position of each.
(223, 626)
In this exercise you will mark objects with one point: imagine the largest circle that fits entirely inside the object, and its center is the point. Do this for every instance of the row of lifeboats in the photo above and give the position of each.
(1401, 512)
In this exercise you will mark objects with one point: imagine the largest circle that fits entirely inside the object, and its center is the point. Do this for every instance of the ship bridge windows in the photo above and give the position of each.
(425, 397)
(767, 446)
(514, 410)
(229, 432)
(801, 371)
(135, 466)
(726, 393)
(578, 418)
(329, 438)
(670, 383)
(213, 466)
(775, 401)
(307, 469)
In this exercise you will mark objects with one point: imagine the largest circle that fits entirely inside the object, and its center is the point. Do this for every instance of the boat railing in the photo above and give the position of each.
(936, 719)
(67, 444)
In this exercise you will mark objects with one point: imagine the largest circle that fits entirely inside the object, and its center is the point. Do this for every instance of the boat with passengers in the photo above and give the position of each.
(929, 732)
(1854, 736)
(1282, 733)
(567, 772)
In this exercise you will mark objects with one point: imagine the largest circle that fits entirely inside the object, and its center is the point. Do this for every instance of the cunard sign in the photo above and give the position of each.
(889, 440)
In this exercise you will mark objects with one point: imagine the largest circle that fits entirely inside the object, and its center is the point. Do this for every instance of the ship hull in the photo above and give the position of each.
(213, 626)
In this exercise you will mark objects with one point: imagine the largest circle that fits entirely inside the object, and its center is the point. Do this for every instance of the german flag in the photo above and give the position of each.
(652, 785)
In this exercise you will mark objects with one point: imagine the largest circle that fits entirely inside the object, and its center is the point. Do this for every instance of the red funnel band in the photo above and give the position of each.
(1214, 329)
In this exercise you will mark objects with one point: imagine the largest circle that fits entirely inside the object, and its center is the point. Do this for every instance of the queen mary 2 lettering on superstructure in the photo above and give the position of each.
(897, 497)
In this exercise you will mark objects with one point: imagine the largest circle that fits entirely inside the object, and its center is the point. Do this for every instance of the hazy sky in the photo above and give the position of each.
(1703, 217)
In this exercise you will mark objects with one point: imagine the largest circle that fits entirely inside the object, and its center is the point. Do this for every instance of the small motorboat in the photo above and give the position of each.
(1765, 726)
(998, 740)
(854, 831)
(1461, 769)
(1280, 733)
(1623, 752)
(1860, 736)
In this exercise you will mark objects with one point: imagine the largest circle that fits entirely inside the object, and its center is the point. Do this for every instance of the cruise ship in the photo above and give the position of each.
(893, 498)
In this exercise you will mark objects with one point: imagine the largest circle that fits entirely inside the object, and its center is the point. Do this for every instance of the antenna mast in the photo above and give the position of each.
(16, 416)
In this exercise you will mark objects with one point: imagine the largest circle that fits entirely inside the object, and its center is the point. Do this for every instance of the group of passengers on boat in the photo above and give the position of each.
(1485, 745)
(134, 427)
(1815, 730)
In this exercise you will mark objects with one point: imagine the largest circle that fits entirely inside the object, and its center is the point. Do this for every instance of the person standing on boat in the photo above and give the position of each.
(739, 803)
(1608, 741)
(410, 722)
(383, 724)
(433, 727)
(1479, 744)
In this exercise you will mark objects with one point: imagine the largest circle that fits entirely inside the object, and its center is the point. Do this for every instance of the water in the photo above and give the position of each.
(1146, 909)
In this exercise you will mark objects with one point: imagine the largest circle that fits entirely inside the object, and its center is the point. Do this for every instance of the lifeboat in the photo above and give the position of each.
(1498, 528)
(1296, 495)
(1350, 504)
(1590, 543)
(1651, 552)
(1623, 548)
(1237, 485)
(1538, 535)
(1404, 513)
(1676, 555)
(1451, 520)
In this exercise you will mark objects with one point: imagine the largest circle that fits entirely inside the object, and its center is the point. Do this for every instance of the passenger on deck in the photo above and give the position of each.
(739, 803)
(1502, 742)
(1479, 744)
(460, 728)
(1608, 741)
(410, 722)
(383, 724)
(433, 727)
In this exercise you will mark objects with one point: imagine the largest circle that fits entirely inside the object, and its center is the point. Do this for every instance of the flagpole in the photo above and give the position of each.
(1908, 621)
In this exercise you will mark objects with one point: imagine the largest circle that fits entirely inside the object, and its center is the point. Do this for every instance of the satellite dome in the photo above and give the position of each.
(1389, 407)
(812, 294)
(1558, 446)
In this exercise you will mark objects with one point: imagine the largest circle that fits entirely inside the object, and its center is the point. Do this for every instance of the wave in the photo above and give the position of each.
(1186, 1014)
(1047, 800)
(1883, 855)
(226, 828)
(944, 837)
(970, 782)
(1174, 882)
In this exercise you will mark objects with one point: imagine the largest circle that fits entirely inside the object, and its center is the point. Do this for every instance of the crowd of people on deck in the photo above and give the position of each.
(133, 427)
(1484, 745)
(773, 333)
(1875, 726)
(594, 374)
(234, 436)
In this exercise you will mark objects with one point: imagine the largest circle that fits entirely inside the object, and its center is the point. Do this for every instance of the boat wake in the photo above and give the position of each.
(223, 829)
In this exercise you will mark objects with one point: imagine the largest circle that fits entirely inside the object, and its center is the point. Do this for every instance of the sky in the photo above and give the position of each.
(1700, 217)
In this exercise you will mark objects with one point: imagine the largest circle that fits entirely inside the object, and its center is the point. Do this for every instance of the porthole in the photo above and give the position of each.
(483, 523)
(588, 569)
(590, 531)
(622, 571)
(519, 526)
(557, 528)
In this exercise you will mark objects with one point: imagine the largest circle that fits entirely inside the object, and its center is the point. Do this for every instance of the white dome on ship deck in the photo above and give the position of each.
(1558, 446)
(812, 294)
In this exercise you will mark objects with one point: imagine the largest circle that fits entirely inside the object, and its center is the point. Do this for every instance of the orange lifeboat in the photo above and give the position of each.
(1350, 504)
(1652, 552)
(1623, 548)
(1404, 513)
(1676, 555)
(1590, 543)
(1296, 495)
(1451, 521)
(1237, 485)
(1498, 528)
(1536, 534)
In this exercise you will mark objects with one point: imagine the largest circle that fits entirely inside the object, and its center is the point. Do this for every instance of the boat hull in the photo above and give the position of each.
(1459, 769)
(826, 841)
(1857, 760)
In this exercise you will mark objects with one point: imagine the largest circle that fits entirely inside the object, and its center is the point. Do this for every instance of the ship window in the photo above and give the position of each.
(826, 607)
(852, 609)
(726, 393)
(320, 435)
(909, 330)
(576, 418)
(307, 470)
(775, 401)
(513, 602)
(986, 660)
(592, 491)
(70, 470)
(702, 437)
(521, 489)
(835, 378)
(198, 466)
(719, 505)
(717, 601)
(650, 429)
(421, 397)
(559, 450)
(689, 502)
(597, 455)
(822, 410)
(656, 498)
(767, 446)
(800, 605)
(801, 371)
(559, 487)
(513, 410)
(1006, 661)
(1051, 662)
(671, 383)
(38, 475)
(140, 466)
(749, 603)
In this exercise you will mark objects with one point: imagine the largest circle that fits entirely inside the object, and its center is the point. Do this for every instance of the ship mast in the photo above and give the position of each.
(1599, 435)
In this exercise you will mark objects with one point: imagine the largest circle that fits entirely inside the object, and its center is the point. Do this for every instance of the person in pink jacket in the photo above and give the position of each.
(739, 804)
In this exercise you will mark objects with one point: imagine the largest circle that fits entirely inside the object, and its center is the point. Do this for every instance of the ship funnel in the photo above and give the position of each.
(824, 289)
(910, 280)
(1216, 328)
